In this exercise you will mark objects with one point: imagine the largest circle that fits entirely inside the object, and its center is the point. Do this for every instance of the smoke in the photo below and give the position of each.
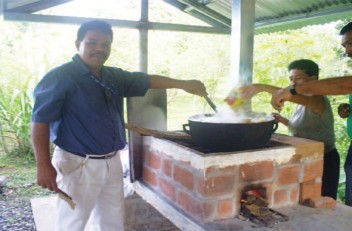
(228, 115)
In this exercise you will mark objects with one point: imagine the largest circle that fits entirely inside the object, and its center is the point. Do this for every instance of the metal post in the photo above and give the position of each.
(148, 111)
(242, 38)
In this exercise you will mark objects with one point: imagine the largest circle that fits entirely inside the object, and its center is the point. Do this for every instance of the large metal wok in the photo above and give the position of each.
(229, 136)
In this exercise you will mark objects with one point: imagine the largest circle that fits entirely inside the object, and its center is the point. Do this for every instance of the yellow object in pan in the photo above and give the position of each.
(234, 99)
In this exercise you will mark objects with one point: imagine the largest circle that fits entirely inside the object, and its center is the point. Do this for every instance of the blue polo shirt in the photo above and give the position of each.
(85, 117)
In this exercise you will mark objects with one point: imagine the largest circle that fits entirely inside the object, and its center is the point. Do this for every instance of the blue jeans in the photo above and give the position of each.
(348, 171)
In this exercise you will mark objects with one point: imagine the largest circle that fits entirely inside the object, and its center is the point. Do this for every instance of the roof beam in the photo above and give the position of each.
(115, 22)
(307, 16)
(35, 6)
(190, 10)
(195, 6)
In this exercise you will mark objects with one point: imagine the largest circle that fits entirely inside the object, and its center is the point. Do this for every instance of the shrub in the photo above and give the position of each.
(15, 117)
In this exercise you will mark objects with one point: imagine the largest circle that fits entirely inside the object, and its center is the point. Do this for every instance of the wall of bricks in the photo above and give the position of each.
(214, 193)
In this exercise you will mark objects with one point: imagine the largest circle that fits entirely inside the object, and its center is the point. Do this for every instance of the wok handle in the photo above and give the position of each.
(186, 129)
(276, 125)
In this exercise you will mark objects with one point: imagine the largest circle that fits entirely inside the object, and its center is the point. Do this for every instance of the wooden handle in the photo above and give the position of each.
(67, 198)
(160, 134)
(212, 105)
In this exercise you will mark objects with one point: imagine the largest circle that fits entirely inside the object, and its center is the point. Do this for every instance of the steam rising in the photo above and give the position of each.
(228, 115)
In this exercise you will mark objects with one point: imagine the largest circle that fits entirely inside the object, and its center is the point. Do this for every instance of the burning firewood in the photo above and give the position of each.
(255, 207)
(258, 210)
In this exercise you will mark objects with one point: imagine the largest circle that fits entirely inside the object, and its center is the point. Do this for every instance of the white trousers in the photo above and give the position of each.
(96, 186)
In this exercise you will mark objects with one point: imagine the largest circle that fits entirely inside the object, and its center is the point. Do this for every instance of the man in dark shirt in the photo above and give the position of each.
(79, 107)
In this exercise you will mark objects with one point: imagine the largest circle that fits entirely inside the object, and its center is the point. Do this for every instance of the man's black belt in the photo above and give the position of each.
(98, 157)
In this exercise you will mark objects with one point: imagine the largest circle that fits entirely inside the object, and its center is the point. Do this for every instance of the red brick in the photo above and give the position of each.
(322, 202)
(184, 177)
(313, 170)
(190, 205)
(216, 186)
(209, 210)
(294, 195)
(211, 169)
(257, 171)
(168, 189)
(167, 167)
(150, 177)
(154, 161)
(309, 189)
(225, 208)
(281, 198)
(288, 175)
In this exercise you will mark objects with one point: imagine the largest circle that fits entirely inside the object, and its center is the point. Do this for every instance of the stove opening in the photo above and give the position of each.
(254, 206)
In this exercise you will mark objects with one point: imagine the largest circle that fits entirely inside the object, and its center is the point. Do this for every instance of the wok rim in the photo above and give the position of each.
(197, 120)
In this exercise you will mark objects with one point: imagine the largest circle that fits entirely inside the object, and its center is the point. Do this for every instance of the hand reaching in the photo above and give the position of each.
(195, 87)
(249, 91)
(279, 97)
(279, 118)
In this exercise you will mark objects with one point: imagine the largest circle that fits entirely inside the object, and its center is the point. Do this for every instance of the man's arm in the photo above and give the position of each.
(316, 103)
(46, 173)
(330, 86)
(191, 86)
(250, 90)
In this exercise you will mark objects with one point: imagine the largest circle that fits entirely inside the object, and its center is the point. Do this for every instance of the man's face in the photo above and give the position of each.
(94, 49)
(299, 76)
(346, 42)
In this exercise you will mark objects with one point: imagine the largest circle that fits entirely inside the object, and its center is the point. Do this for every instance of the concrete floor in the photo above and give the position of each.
(140, 216)
(44, 210)
(301, 219)
(44, 213)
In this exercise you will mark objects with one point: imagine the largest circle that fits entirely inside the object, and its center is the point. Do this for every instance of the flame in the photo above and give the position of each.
(253, 192)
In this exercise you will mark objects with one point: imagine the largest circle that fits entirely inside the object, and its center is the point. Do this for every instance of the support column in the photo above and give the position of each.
(148, 111)
(242, 39)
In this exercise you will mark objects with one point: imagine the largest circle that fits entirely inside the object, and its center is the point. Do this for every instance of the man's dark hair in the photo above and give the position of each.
(346, 28)
(94, 25)
(308, 66)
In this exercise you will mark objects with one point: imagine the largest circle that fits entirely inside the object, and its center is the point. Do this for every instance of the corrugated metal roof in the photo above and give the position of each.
(273, 15)
(270, 15)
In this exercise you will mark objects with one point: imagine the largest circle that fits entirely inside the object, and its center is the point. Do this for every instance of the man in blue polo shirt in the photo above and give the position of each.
(79, 107)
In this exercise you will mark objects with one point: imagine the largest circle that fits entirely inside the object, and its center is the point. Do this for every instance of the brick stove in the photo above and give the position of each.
(208, 186)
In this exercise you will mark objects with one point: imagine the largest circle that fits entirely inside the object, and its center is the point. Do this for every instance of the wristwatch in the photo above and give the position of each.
(293, 89)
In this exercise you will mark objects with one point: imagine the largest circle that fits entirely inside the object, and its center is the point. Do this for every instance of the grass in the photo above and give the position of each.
(21, 178)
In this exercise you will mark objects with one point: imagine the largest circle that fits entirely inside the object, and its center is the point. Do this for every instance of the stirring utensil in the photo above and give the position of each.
(212, 105)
